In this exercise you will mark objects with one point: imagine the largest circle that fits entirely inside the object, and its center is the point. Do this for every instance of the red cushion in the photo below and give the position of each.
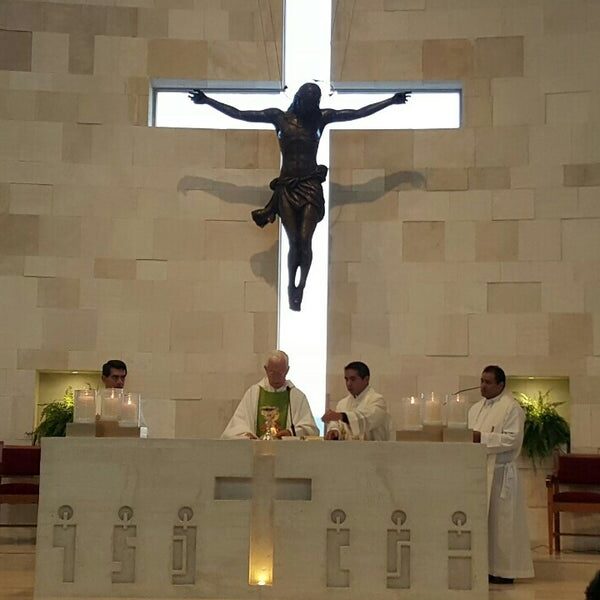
(589, 497)
(579, 468)
(20, 460)
(19, 488)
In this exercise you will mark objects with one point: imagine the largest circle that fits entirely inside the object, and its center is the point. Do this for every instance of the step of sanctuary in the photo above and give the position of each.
(566, 566)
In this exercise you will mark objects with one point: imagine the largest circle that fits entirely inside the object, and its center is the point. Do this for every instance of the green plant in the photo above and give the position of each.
(54, 417)
(545, 429)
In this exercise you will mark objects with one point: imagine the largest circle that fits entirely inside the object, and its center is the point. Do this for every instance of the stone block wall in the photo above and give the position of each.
(477, 245)
(118, 240)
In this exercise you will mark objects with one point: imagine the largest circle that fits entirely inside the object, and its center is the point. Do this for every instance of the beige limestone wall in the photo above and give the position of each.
(452, 249)
(120, 240)
(456, 249)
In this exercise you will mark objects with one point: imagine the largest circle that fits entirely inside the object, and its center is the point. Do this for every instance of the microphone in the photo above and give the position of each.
(469, 389)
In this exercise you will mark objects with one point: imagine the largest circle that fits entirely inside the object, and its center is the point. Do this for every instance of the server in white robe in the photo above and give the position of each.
(294, 415)
(498, 422)
(362, 414)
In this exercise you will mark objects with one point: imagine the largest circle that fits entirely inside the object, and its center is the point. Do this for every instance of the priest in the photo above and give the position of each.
(362, 414)
(498, 421)
(273, 395)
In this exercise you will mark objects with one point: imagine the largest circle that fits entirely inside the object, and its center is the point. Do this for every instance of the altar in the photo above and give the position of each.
(290, 520)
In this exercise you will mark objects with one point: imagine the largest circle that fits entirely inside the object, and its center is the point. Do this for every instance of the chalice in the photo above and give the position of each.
(271, 414)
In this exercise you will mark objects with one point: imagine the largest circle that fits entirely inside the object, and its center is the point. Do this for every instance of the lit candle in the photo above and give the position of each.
(412, 413)
(130, 410)
(457, 413)
(112, 398)
(84, 406)
(433, 411)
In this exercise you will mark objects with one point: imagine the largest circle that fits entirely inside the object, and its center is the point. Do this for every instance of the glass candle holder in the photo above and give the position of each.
(433, 410)
(110, 407)
(411, 408)
(130, 410)
(84, 406)
(456, 412)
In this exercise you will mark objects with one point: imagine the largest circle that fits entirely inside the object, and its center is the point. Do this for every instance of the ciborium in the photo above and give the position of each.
(271, 426)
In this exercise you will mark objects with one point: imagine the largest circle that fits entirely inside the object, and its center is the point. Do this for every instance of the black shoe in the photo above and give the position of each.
(500, 580)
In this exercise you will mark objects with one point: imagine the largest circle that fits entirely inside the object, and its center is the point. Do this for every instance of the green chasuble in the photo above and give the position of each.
(277, 400)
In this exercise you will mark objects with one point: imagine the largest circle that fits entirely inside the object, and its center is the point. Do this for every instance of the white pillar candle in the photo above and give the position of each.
(130, 410)
(412, 413)
(457, 412)
(112, 398)
(433, 411)
(84, 406)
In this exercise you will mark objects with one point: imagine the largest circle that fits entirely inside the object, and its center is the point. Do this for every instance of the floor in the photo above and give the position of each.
(562, 577)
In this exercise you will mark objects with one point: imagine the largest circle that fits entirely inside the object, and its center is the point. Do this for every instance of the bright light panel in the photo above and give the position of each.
(307, 57)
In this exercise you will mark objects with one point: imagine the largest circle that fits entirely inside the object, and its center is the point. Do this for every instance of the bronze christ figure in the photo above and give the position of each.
(297, 192)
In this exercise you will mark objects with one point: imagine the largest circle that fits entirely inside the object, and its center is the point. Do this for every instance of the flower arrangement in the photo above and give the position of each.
(54, 417)
(545, 429)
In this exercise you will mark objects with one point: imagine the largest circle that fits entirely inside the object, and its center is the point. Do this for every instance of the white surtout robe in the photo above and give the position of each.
(501, 423)
(367, 414)
(244, 418)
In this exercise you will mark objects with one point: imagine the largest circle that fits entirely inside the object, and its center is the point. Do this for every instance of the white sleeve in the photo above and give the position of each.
(372, 413)
(336, 425)
(243, 420)
(511, 436)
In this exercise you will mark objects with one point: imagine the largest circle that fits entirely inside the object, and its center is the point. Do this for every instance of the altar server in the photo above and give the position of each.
(362, 414)
(497, 421)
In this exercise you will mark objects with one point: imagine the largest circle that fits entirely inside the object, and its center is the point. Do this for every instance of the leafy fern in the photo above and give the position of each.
(545, 429)
(55, 417)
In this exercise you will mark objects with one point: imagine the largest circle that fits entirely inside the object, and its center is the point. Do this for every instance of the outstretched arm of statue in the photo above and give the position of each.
(331, 115)
(268, 115)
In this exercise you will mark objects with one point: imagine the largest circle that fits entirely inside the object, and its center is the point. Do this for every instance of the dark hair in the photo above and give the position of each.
(592, 592)
(305, 88)
(498, 372)
(113, 364)
(360, 368)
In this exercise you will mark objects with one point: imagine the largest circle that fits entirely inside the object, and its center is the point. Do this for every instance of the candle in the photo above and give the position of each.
(457, 412)
(433, 411)
(130, 410)
(112, 398)
(412, 413)
(84, 406)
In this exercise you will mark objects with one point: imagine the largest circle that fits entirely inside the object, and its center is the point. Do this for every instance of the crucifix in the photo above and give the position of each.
(297, 192)
(262, 489)
(307, 58)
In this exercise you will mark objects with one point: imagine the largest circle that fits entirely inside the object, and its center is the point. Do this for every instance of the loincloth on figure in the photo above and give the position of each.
(297, 192)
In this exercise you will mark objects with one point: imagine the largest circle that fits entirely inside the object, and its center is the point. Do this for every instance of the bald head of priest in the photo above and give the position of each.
(114, 373)
(273, 406)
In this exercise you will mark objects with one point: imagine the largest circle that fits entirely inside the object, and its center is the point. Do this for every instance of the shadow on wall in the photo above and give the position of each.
(264, 264)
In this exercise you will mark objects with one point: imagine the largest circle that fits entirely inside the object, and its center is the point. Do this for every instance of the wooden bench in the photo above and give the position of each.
(571, 470)
(19, 477)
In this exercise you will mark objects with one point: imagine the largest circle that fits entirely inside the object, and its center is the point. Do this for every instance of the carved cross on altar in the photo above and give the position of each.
(262, 489)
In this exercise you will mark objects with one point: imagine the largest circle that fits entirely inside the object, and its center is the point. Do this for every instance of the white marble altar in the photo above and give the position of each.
(241, 519)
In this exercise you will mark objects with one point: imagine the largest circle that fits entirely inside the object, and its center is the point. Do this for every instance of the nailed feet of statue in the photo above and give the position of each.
(295, 297)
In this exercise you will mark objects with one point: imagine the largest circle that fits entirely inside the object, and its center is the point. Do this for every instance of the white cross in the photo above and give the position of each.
(307, 58)
(262, 488)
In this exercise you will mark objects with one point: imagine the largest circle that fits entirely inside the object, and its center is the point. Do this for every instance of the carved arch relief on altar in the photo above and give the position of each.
(459, 554)
(64, 535)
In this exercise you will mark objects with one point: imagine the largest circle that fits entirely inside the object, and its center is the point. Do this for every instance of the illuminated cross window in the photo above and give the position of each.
(307, 57)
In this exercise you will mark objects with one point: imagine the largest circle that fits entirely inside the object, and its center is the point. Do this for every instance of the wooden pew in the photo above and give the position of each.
(19, 477)
(571, 470)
